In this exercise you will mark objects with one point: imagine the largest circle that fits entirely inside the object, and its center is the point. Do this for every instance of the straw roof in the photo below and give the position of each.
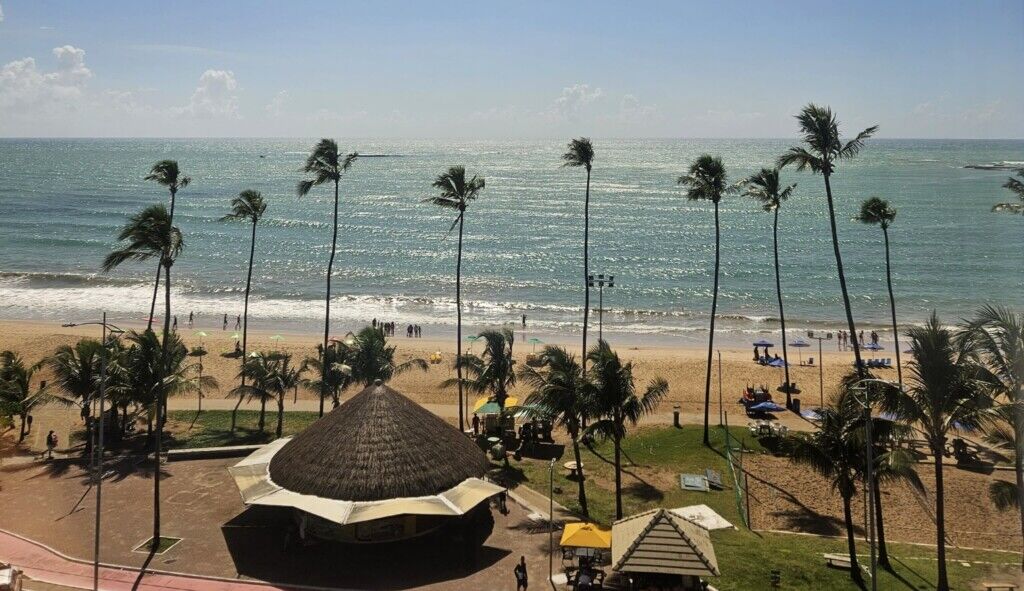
(659, 541)
(378, 445)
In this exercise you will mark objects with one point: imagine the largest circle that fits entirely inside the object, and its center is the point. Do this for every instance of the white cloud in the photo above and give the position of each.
(214, 96)
(277, 103)
(575, 98)
(25, 88)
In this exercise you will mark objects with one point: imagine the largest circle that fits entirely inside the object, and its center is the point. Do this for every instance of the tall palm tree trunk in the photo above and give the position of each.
(160, 402)
(586, 267)
(892, 308)
(263, 414)
(327, 306)
(711, 335)
(782, 313)
(883, 552)
(851, 545)
(861, 370)
(245, 320)
(24, 420)
(458, 322)
(618, 476)
(280, 415)
(582, 494)
(156, 282)
(1018, 460)
(942, 584)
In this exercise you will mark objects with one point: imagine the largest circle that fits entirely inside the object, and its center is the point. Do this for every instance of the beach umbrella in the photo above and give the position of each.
(202, 333)
(485, 406)
(777, 363)
(277, 338)
(873, 347)
(763, 343)
(535, 341)
(472, 341)
(800, 344)
(585, 535)
(767, 406)
(236, 336)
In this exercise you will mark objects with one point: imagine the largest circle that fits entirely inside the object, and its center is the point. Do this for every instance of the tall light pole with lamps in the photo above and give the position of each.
(862, 387)
(98, 475)
(601, 282)
(821, 363)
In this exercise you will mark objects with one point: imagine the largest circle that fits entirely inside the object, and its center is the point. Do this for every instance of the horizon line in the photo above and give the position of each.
(466, 138)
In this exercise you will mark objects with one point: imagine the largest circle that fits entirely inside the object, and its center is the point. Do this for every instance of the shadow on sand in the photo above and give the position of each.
(263, 546)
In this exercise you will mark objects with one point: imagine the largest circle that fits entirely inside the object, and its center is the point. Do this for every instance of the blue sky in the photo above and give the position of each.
(515, 69)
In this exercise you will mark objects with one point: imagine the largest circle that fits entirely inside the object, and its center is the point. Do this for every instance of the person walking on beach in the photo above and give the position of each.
(520, 573)
(374, 323)
(190, 318)
(874, 338)
(524, 320)
(238, 322)
(225, 327)
(175, 328)
(51, 443)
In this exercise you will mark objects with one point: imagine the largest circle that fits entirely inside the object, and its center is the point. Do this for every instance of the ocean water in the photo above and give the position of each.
(63, 201)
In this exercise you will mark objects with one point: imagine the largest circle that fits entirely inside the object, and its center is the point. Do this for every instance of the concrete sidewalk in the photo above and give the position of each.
(45, 565)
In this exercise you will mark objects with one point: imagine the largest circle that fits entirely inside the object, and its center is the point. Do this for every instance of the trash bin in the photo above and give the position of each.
(796, 405)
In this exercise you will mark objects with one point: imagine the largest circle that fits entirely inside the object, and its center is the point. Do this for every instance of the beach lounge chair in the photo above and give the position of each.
(810, 361)
(838, 561)
(10, 578)
(1000, 586)
(888, 362)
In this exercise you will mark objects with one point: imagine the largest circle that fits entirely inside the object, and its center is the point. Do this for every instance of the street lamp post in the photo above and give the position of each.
(600, 281)
(861, 386)
(821, 364)
(551, 520)
(98, 474)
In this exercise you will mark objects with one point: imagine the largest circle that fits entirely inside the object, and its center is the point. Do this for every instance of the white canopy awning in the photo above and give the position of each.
(252, 476)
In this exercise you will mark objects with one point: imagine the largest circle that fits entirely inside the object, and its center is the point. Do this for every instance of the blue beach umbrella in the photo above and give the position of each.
(763, 343)
(800, 344)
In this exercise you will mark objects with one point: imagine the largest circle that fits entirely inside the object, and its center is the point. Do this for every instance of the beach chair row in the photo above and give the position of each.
(876, 363)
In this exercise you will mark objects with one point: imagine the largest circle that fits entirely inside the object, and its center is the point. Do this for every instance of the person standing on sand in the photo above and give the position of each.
(520, 573)
(238, 322)
(524, 320)
(175, 329)
(190, 318)
(51, 443)
(225, 327)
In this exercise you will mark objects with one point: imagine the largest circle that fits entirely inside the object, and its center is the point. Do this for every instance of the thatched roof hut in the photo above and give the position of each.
(378, 445)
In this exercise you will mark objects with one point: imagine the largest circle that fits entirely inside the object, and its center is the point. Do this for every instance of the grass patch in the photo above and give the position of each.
(653, 458)
(165, 544)
(212, 428)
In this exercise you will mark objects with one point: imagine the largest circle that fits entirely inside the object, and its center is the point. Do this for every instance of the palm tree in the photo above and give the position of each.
(998, 336)
(150, 234)
(560, 391)
(820, 131)
(1016, 186)
(836, 452)
(200, 352)
(165, 173)
(248, 206)
(455, 193)
(943, 394)
(259, 369)
(17, 399)
(286, 377)
(326, 165)
(767, 189)
(371, 358)
(580, 153)
(331, 370)
(493, 370)
(76, 372)
(878, 212)
(615, 400)
(706, 181)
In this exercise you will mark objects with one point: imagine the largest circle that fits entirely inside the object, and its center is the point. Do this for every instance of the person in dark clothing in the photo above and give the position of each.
(520, 573)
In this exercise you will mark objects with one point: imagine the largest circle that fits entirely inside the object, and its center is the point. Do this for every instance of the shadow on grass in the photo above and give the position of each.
(924, 583)
(643, 491)
(812, 522)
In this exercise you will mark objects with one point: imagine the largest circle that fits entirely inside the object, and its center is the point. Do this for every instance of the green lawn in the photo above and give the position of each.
(655, 457)
(660, 454)
(212, 428)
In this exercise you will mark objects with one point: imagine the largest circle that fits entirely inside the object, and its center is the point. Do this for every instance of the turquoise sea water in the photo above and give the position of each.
(62, 202)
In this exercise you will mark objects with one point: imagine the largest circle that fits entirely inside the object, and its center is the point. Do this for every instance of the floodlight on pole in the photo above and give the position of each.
(600, 281)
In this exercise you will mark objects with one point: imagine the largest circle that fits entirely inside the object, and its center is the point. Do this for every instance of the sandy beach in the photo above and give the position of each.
(683, 366)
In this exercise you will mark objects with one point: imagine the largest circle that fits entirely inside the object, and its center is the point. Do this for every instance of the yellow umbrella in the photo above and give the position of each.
(586, 535)
(484, 401)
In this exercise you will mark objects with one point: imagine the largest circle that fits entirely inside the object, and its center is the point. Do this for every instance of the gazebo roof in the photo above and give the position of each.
(379, 445)
(659, 541)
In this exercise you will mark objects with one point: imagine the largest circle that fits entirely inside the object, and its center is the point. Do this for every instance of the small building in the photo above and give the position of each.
(378, 468)
(660, 547)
